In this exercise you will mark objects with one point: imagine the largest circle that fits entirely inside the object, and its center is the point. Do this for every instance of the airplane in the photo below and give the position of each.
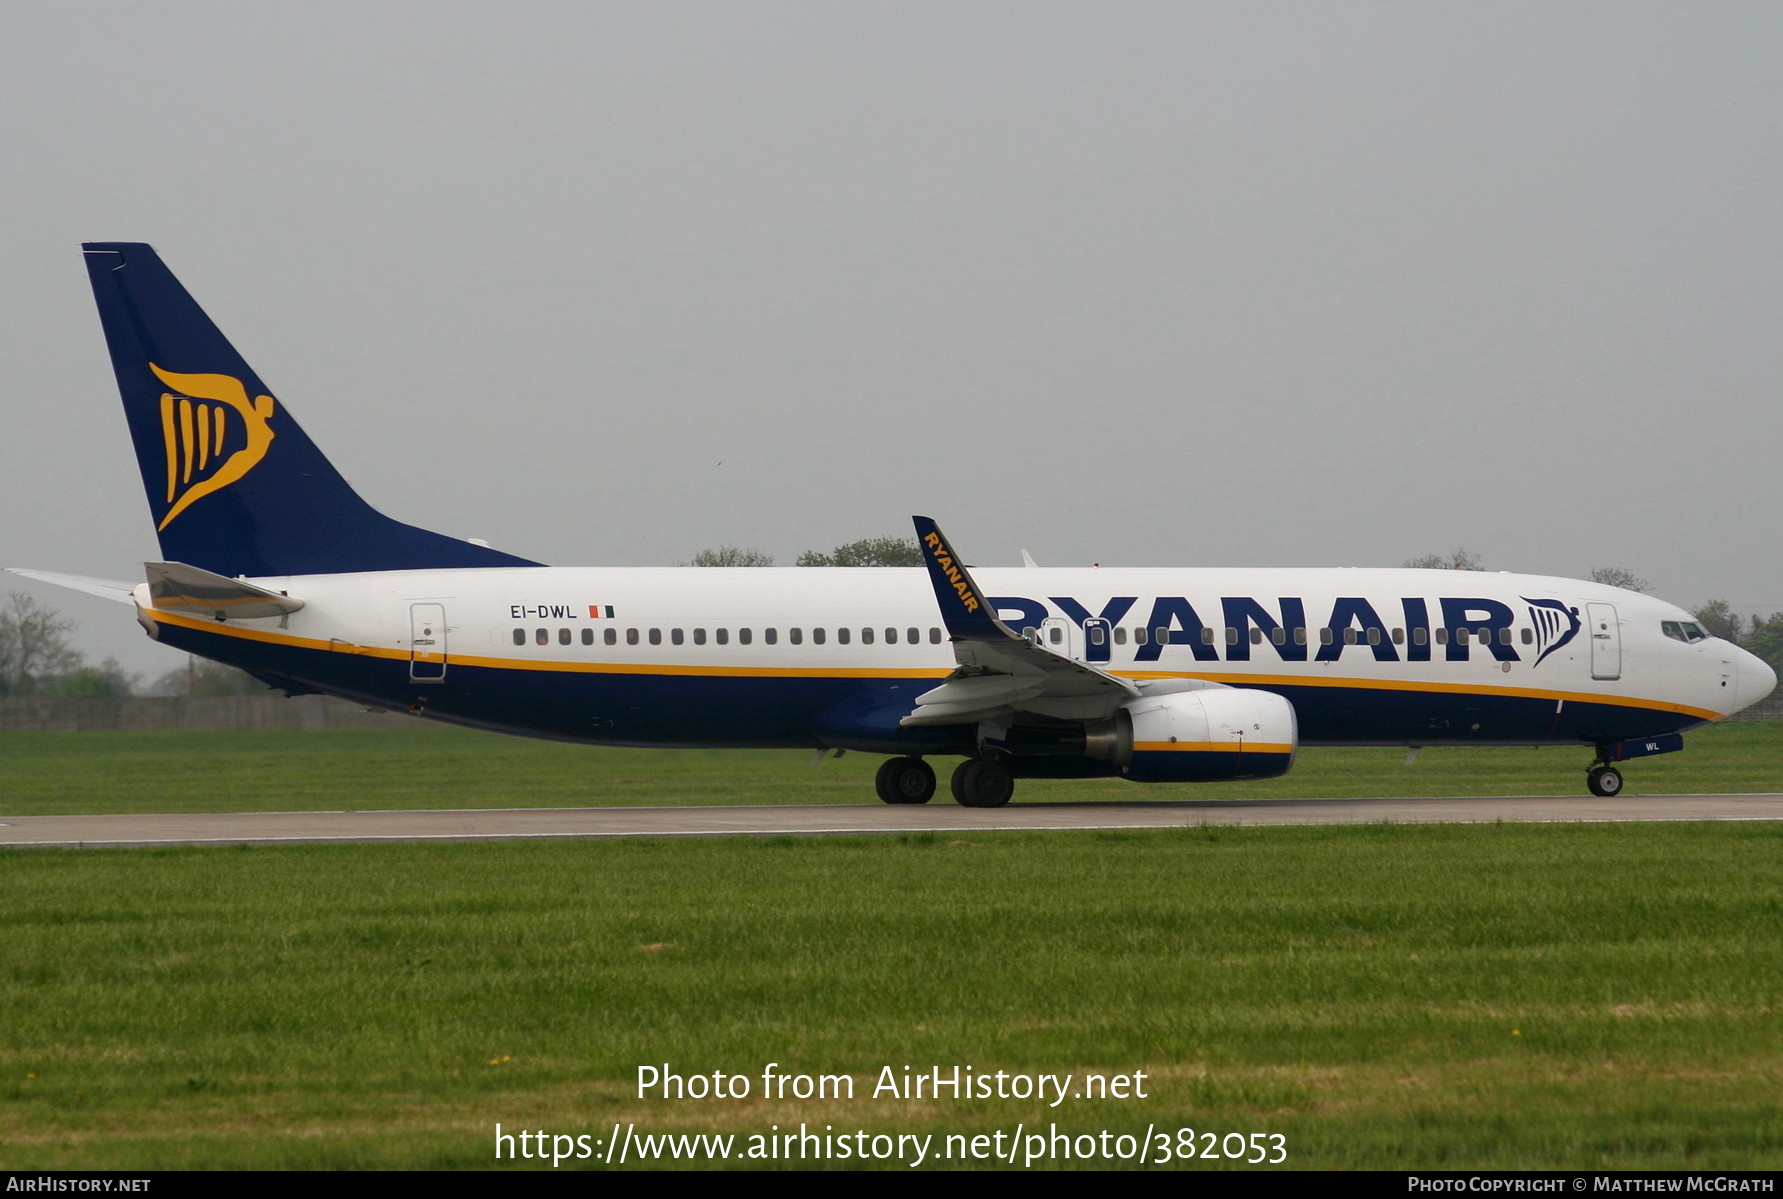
(274, 564)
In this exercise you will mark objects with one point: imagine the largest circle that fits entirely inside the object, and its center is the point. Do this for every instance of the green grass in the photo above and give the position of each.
(1497, 996)
(433, 767)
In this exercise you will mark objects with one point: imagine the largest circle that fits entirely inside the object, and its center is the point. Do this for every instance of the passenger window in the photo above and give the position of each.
(588, 636)
(771, 636)
(655, 636)
(1504, 636)
(1161, 635)
(816, 636)
(866, 636)
(1257, 636)
(891, 636)
(1098, 635)
(934, 636)
(612, 637)
(1528, 637)
(723, 636)
(542, 636)
(743, 636)
(1120, 634)
(1442, 635)
(1139, 636)
(841, 637)
(1398, 636)
(675, 636)
(520, 637)
(563, 636)
(631, 636)
(1277, 635)
(1349, 636)
(1462, 636)
(1206, 635)
(796, 636)
(1374, 636)
(699, 636)
(1420, 636)
(1325, 636)
(1231, 635)
(913, 636)
(1056, 635)
(1299, 634)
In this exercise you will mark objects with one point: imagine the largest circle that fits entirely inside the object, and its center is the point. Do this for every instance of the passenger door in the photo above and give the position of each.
(1606, 641)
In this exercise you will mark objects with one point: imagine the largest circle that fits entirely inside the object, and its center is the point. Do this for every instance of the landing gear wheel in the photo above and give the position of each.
(905, 780)
(1604, 781)
(983, 783)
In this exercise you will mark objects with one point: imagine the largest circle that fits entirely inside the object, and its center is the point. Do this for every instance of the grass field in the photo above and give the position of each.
(1430, 996)
(423, 766)
(1495, 996)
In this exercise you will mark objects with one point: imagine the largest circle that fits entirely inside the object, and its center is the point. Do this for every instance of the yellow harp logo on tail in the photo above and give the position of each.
(196, 428)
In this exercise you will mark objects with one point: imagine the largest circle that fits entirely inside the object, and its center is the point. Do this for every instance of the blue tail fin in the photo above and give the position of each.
(233, 484)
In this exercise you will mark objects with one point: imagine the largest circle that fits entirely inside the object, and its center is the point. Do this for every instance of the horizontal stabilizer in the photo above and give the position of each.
(111, 589)
(176, 587)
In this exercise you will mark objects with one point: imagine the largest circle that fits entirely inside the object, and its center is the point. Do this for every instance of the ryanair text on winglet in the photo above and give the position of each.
(944, 559)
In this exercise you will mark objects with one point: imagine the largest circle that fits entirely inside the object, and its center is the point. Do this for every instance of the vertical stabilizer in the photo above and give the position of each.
(234, 485)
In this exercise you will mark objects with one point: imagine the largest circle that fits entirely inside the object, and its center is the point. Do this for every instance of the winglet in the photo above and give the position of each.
(964, 610)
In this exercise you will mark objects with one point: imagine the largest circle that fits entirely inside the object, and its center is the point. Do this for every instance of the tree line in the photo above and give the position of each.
(38, 659)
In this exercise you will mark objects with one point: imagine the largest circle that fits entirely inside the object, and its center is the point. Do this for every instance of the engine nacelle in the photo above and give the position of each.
(1200, 736)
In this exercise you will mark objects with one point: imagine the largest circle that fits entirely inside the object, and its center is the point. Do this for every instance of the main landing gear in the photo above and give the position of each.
(1604, 781)
(905, 780)
(977, 782)
(983, 783)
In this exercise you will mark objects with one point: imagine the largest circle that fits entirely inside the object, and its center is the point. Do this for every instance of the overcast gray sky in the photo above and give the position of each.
(1188, 284)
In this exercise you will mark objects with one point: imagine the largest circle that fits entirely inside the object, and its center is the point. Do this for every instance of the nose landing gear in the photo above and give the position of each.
(1604, 781)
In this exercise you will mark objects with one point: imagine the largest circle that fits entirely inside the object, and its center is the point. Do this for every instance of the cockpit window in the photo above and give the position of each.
(1687, 631)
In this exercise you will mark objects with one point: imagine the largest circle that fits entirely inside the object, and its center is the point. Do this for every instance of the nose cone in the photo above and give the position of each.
(1753, 680)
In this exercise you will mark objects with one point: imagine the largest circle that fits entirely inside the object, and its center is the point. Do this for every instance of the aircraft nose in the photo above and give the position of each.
(1753, 679)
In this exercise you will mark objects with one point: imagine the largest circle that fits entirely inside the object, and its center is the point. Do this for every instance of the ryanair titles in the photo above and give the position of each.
(943, 556)
(1245, 626)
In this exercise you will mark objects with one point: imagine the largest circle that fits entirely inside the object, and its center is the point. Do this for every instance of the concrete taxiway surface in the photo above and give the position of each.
(495, 824)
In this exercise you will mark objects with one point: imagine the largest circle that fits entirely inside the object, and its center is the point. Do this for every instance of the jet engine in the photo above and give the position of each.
(1198, 736)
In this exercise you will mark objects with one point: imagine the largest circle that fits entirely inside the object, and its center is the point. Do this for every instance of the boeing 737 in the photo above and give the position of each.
(275, 565)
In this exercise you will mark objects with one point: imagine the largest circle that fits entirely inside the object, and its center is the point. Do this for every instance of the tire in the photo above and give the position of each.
(1604, 781)
(983, 783)
(905, 781)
